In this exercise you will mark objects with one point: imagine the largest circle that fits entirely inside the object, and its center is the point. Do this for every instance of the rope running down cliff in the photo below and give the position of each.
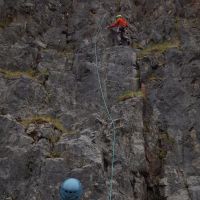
(107, 110)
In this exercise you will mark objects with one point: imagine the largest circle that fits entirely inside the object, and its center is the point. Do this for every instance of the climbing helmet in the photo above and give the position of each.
(71, 189)
(118, 16)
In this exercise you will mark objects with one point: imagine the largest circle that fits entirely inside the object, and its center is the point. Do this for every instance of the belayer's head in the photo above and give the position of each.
(118, 16)
(71, 189)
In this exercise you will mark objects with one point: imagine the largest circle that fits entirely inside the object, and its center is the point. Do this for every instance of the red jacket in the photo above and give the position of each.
(120, 22)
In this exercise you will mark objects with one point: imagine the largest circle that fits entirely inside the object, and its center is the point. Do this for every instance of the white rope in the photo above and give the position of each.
(107, 110)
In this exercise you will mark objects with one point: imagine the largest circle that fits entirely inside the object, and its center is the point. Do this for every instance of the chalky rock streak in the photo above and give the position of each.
(53, 123)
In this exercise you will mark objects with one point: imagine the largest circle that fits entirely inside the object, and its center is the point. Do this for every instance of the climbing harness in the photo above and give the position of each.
(107, 110)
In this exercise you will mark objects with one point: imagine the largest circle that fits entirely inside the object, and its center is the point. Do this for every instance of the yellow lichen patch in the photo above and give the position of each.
(130, 94)
(159, 48)
(17, 74)
(44, 119)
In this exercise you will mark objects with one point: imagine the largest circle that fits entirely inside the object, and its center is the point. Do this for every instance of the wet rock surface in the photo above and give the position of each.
(53, 123)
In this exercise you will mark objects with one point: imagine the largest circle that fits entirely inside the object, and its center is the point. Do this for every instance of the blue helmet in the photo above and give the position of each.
(71, 189)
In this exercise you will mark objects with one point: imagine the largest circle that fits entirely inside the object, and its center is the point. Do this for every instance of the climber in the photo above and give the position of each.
(71, 189)
(122, 26)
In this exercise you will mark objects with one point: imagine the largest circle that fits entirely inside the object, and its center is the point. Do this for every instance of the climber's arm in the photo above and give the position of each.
(114, 24)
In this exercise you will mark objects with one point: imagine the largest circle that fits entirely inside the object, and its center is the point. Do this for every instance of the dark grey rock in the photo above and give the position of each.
(67, 131)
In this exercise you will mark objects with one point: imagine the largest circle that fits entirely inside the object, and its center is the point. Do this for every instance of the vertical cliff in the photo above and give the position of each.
(53, 122)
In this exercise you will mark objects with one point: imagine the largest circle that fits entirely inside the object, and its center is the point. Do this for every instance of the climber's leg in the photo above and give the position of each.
(124, 36)
(119, 36)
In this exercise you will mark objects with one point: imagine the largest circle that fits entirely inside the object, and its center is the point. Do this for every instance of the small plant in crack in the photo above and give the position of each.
(6, 21)
(53, 139)
(162, 153)
(17, 74)
(53, 154)
(130, 94)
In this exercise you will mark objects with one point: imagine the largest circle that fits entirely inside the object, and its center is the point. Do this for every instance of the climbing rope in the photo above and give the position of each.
(107, 110)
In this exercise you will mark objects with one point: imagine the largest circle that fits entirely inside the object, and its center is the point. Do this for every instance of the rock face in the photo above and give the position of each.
(53, 122)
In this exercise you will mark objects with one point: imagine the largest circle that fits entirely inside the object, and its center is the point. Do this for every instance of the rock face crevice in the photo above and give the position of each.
(53, 123)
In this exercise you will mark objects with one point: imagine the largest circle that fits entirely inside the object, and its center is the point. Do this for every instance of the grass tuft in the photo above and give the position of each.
(166, 139)
(153, 77)
(54, 154)
(130, 94)
(53, 139)
(45, 119)
(17, 74)
(162, 153)
(5, 22)
(167, 144)
(159, 48)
